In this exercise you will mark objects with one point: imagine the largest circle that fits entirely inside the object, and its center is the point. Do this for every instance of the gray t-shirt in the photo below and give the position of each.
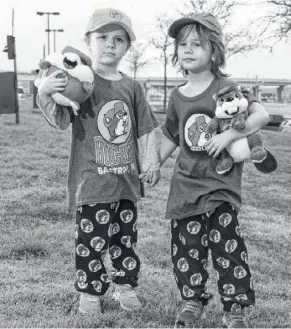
(196, 187)
(104, 160)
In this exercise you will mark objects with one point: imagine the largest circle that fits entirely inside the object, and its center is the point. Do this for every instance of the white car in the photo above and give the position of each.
(285, 126)
(21, 94)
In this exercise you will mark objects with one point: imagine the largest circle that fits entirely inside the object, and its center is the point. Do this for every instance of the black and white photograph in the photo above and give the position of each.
(145, 163)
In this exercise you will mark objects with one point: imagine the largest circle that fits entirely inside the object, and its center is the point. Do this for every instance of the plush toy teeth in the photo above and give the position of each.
(232, 113)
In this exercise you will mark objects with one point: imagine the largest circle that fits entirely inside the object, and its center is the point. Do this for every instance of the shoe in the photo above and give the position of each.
(126, 296)
(89, 304)
(235, 319)
(191, 311)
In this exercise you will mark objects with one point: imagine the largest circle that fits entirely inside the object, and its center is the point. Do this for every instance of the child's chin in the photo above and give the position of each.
(109, 61)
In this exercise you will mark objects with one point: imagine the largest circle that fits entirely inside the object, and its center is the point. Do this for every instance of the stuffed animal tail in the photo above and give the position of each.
(268, 165)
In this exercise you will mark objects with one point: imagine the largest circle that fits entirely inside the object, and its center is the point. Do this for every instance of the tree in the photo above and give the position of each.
(275, 24)
(236, 40)
(135, 57)
(163, 43)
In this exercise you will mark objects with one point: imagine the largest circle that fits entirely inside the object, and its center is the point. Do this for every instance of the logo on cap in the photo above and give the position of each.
(115, 14)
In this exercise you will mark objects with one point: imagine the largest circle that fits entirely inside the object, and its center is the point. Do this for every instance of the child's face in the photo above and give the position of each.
(192, 56)
(109, 44)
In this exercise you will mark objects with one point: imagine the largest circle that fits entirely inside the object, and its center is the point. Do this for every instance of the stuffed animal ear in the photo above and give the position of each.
(44, 64)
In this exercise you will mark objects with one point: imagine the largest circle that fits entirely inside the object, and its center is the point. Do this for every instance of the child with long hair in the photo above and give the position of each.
(203, 205)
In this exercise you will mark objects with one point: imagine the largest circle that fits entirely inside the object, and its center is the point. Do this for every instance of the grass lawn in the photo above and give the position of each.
(37, 237)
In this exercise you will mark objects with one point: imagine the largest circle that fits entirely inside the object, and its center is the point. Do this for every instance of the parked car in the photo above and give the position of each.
(21, 94)
(272, 99)
(285, 126)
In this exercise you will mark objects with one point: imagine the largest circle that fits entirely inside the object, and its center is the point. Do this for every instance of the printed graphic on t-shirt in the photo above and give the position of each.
(114, 122)
(195, 132)
(114, 148)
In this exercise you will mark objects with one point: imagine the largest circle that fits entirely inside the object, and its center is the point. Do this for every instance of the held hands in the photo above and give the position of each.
(218, 143)
(151, 177)
(51, 84)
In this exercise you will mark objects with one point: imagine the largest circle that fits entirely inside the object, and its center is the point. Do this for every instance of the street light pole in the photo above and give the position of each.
(48, 33)
(54, 31)
(41, 13)
(15, 74)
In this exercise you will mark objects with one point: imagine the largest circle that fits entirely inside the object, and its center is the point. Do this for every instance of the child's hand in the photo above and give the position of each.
(218, 142)
(145, 177)
(51, 84)
(150, 177)
(155, 177)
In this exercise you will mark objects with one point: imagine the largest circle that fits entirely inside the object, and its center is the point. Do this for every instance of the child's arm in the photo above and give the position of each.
(167, 147)
(58, 116)
(151, 164)
(257, 119)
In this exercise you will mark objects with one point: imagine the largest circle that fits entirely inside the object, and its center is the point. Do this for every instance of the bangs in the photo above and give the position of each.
(195, 28)
(208, 39)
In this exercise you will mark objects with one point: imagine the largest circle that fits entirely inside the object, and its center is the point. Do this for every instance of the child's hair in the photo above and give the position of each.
(206, 37)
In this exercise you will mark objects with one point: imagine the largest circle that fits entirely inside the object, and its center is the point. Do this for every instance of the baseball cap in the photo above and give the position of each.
(205, 19)
(102, 17)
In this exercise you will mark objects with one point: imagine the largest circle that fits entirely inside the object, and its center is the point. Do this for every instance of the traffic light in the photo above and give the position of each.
(11, 46)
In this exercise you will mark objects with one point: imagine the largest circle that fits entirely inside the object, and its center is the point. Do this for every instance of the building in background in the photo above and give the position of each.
(267, 90)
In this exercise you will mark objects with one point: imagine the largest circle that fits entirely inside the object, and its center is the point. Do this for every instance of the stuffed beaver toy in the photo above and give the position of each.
(231, 112)
(76, 66)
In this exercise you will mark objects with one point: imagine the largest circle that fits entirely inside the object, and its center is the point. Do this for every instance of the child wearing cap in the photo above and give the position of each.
(202, 204)
(104, 171)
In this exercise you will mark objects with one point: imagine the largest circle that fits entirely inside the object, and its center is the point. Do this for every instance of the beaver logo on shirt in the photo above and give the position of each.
(116, 121)
(195, 132)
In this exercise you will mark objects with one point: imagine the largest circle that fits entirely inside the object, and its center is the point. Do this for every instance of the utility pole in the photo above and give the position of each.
(54, 31)
(12, 55)
(11, 52)
(41, 13)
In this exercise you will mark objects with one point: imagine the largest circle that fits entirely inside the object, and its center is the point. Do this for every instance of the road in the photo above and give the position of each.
(274, 108)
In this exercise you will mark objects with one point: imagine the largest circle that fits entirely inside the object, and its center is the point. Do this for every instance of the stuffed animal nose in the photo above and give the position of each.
(229, 99)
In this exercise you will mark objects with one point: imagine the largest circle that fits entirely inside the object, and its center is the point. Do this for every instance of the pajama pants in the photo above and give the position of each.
(99, 227)
(220, 232)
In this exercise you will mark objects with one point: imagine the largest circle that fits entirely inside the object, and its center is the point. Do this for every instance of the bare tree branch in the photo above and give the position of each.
(135, 57)
(163, 43)
(239, 40)
(275, 25)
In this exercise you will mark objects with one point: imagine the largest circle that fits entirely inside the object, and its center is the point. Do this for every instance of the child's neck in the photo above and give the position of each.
(107, 72)
(197, 83)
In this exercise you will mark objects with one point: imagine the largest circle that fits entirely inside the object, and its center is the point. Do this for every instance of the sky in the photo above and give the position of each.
(29, 31)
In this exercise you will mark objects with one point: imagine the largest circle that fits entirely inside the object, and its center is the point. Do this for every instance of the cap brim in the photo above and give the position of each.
(176, 26)
(129, 31)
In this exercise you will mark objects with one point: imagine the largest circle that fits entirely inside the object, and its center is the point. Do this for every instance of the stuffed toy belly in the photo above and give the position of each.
(74, 89)
(240, 150)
